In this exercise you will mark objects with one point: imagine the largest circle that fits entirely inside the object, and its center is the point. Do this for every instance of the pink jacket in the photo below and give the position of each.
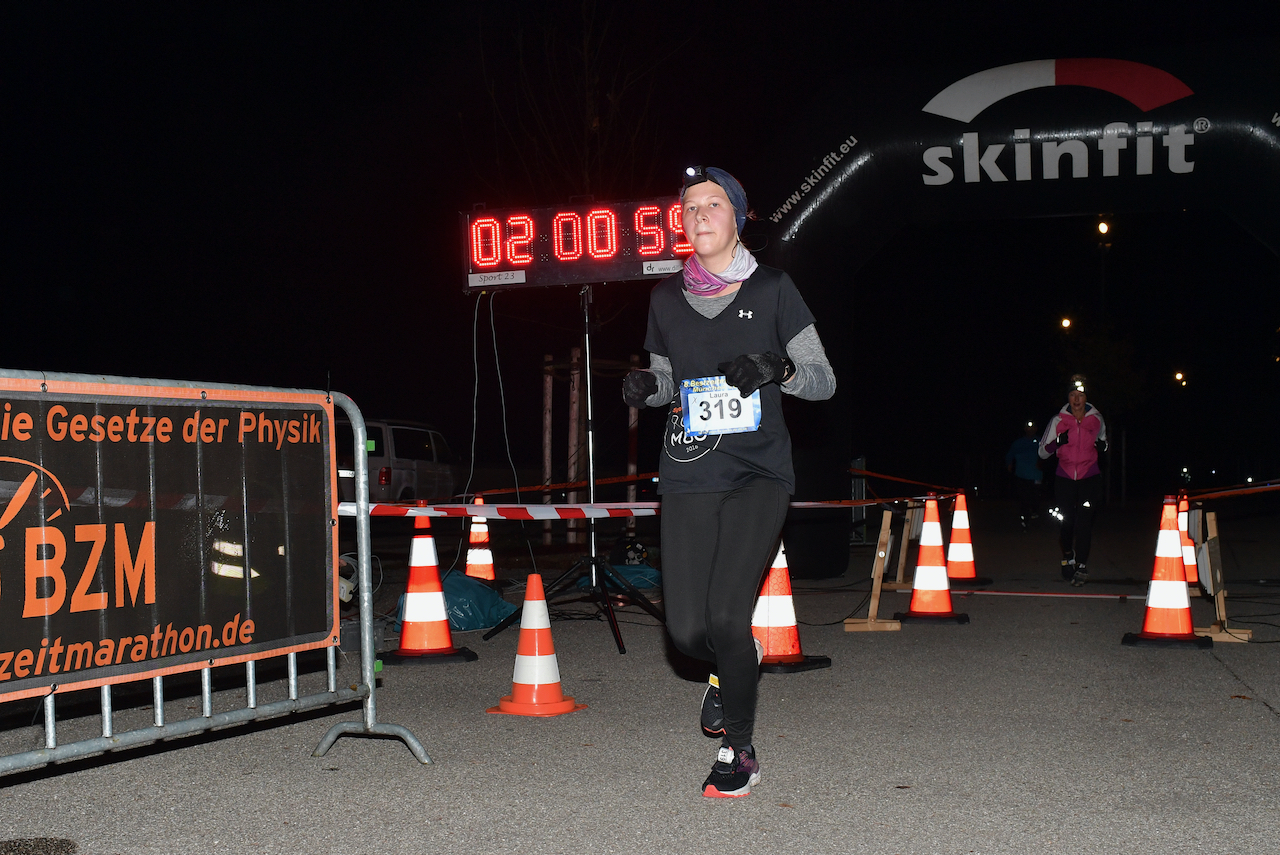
(1078, 458)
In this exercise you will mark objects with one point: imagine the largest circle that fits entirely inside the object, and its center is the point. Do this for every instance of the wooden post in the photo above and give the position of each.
(547, 386)
(870, 623)
(900, 582)
(575, 384)
(633, 445)
(1218, 630)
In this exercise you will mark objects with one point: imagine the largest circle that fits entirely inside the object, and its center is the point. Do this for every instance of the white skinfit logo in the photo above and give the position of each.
(1143, 86)
(978, 160)
(743, 313)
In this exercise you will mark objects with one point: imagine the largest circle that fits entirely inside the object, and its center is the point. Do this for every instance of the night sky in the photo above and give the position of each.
(270, 195)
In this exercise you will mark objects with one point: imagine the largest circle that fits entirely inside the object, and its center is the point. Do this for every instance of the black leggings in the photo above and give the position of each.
(1077, 500)
(716, 548)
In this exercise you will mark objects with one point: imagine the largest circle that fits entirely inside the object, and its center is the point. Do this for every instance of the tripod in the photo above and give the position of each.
(596, 568)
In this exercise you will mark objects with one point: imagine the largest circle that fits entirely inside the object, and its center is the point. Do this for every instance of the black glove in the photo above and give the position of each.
(1100, 444)
(752, 370)
(1062, 438)
(637, 386)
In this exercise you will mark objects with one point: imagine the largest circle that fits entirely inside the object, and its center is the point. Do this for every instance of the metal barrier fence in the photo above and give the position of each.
(99, 393)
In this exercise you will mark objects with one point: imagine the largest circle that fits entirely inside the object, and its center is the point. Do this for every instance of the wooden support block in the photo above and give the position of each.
(869, 625)
(897, 586)
(1216, 631)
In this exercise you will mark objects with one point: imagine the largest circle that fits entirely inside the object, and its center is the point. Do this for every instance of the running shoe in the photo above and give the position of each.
(712, 709)
(1081, 576)
(1068, 566)
(734, 774)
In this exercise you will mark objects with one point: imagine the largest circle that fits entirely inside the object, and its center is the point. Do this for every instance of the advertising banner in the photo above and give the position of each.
(149, 530)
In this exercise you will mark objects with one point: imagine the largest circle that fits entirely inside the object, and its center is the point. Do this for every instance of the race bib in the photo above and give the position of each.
(712, 406)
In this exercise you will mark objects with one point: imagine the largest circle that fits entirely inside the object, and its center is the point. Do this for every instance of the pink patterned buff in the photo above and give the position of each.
(702, 282)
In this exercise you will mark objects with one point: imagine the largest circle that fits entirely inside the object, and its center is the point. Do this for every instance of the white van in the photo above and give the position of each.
(407, 461)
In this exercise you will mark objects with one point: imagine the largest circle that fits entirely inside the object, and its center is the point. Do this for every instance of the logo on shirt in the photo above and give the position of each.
(682, 447)
(743, 313)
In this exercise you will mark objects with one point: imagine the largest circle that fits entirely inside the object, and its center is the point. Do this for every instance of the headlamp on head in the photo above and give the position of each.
(1077, 383)
(693, 175)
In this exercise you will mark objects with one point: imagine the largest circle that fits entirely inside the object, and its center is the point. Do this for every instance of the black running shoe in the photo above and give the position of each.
(1081, 576)
(734, 774)
(713, 709)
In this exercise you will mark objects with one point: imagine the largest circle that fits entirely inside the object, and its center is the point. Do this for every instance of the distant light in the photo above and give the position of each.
(1184, 469)
(655, 480)
(1066, 322)
(1029, 424)
(1177, 376)
(1102, 228)
(1184, 382)
(1248, 480)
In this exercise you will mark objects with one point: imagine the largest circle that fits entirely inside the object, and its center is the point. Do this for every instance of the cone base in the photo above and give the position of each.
(805, 663)
(507, 706)
(440, 657)
(917, 617)
(1142, 639)
(972, 581)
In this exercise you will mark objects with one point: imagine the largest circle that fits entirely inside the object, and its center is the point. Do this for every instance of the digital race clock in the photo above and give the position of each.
(573, 244)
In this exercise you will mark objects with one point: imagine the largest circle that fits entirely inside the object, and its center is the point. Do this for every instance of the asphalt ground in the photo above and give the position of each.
(1031, 729)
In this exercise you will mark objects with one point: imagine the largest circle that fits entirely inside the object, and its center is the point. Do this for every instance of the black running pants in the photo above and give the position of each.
(1077, 501)
(716, 548)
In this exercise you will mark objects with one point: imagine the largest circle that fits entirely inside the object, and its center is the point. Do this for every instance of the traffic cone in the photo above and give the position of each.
(960, 567)
(930, 591)
(1188, 546)
(424, 631)
(479, 556)
(773, 623)
(535, 685)
(1168, 619)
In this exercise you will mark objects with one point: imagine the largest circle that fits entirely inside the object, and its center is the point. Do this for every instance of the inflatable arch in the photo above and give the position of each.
(1044, 137)
(1039, 137)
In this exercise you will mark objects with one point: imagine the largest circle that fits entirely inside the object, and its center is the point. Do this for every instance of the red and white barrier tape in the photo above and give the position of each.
(509, 512)
(555, 512)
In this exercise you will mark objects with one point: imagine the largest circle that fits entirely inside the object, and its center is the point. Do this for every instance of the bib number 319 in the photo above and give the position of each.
(712, 406)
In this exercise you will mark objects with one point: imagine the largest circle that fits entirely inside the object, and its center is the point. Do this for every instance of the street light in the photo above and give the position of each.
(1066, 323)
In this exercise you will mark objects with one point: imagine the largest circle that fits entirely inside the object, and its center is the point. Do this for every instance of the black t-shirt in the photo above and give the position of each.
(767, 313)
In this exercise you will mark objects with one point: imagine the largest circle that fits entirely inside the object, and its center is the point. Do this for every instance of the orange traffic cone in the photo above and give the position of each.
(930, 591)
(773, 623)
(960, 567)
(1188, 545)
(424, 630)
(535, 685)
(1168, 620)
(479, 556)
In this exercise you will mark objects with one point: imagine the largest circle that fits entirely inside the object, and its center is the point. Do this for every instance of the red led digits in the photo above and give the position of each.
(566, 237)
(602, 234)
(486, 242)
(650, 238)
(520, 235)
(675, 220)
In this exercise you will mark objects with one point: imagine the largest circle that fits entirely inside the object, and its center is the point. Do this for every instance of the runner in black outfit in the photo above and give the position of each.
(725, 475)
